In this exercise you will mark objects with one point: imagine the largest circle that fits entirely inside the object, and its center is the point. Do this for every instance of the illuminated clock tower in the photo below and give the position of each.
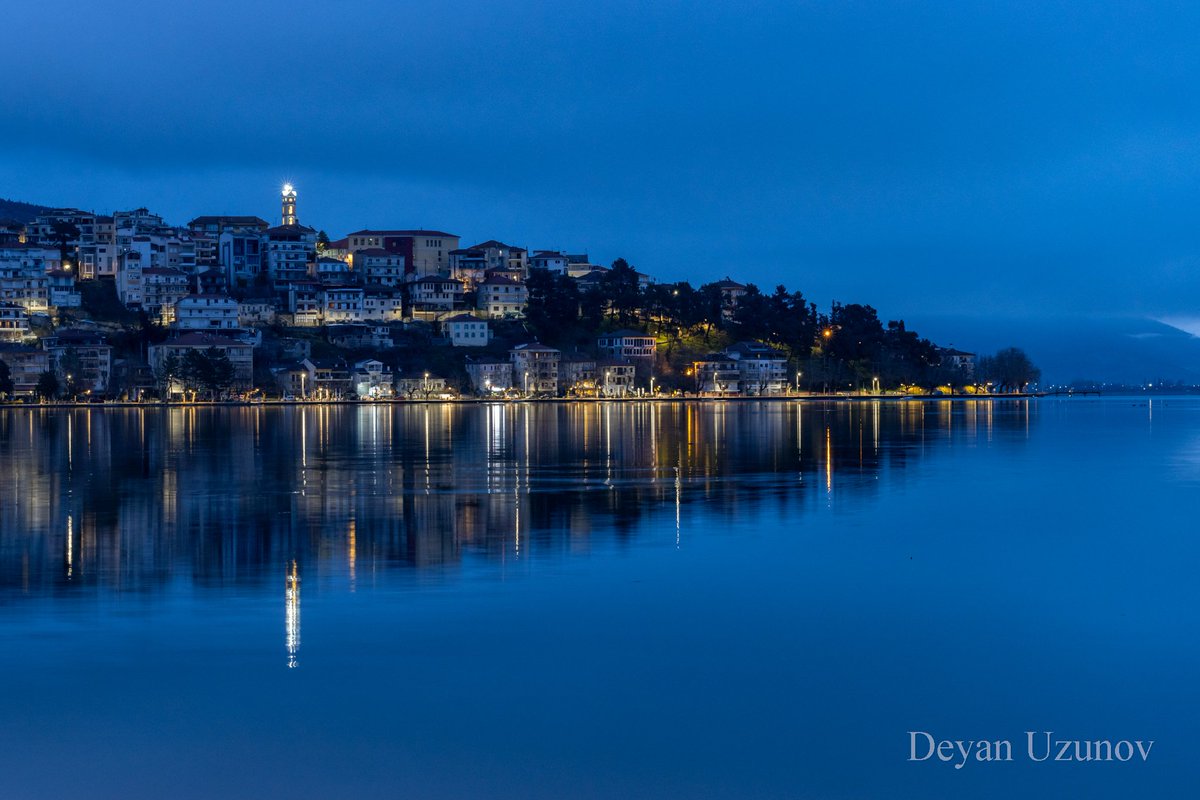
(289, 204)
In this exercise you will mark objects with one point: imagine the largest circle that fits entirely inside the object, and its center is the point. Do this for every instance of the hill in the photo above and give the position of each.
(1070, 350)
(21, 212)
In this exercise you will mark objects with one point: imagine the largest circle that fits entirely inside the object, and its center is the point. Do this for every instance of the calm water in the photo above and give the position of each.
(596, 601)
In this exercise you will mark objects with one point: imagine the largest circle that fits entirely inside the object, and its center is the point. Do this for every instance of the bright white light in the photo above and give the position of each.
(287, 189)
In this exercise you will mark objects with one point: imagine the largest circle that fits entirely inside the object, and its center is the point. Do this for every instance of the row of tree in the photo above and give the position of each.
(209, 371)
(846, 347)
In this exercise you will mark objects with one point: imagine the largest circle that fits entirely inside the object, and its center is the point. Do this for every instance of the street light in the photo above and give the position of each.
(798, 376)
(606, 374)
(652, 387)
(527, 384)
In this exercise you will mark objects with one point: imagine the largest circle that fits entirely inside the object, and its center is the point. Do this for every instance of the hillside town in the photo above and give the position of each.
(128, 307)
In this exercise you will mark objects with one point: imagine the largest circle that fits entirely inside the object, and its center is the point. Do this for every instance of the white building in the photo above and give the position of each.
(206, 312)
(762, 370)
(535, 368)
(499, 297)
(130, 288)
(255, 313)
(291, 252)
(552, 260)
(490, 376)
(627, 344)
(504, 257)
(162, 288)
(465, 330)
(342, 304)
(14, 323)
(377, 267)
(372, 379)
(434, 294)
(381, 303)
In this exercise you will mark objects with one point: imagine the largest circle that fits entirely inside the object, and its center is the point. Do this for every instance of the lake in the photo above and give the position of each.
(597, 600)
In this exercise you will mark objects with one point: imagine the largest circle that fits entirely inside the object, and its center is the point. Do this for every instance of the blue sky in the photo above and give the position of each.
(995, 159)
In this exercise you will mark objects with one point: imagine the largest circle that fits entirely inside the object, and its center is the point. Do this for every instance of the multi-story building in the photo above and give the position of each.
(465, 330)
(958, 359)
(433, 295)
(63, 291)
(425, 252)
(468, 266)
(490, 376)
(255, 312)
(131, 288)
(206, 233)
(81, 357)
(23, 279)
(615, 378)
(552, 260)
(535, 368)
(717, 374)
(378, 267)
(499, 297)
(627, 344)
(304, 304)
(14, 323)
(577, 375)
(333, 270)
(242, 253)
(504, 258)
(762, 370)
(26, 364)
(372, 379)
(206, 312)
(291, 253)
(341, 304)
(162, 288)
(382, 303)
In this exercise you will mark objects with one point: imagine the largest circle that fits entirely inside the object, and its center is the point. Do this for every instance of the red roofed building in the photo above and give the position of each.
(425, 252)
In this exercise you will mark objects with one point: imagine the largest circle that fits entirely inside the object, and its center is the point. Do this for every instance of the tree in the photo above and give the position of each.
(322, 241)
(210, 370)
(63, 233)
(1011, 370)
(170, 370)
(6, 383)
(47, 385)
(623, 291)
(552, 309)
(70, 366)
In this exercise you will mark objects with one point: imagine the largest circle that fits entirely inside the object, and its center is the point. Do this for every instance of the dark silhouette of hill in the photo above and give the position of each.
(21, 212)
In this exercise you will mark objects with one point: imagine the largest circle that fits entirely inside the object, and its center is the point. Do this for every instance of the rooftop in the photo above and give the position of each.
(417, 232)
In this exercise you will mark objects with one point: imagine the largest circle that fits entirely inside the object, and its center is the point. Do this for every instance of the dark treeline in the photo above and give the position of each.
(848, 347)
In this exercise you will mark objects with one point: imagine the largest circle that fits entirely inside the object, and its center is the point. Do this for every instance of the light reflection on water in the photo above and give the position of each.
(594, 600)
(223, 496)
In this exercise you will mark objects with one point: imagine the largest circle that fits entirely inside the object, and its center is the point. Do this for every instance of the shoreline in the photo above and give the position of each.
(807, 398)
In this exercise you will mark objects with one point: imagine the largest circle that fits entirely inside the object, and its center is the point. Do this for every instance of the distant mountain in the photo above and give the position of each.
(1070, 350)
(21, 212)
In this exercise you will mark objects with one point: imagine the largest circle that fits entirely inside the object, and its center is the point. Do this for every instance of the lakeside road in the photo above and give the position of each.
(812, 398)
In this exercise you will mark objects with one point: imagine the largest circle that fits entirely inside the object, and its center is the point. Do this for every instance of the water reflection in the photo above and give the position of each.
(137, 499)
